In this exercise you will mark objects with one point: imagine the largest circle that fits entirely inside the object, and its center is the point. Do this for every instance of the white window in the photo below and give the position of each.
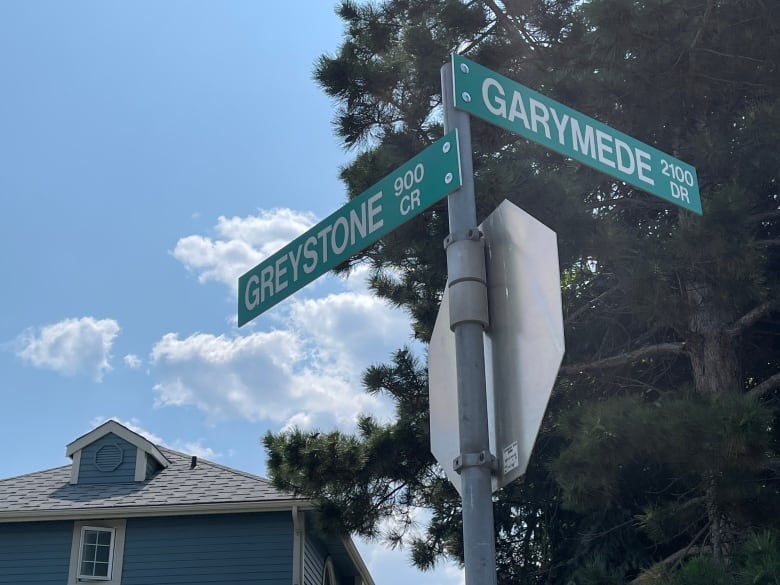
(96, 552)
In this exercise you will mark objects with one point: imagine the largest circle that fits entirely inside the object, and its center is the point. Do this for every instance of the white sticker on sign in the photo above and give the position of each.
(511, 457)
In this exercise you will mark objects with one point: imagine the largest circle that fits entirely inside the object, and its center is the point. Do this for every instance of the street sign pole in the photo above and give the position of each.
(468, 319)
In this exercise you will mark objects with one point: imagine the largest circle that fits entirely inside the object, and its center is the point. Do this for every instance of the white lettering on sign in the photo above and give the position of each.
(294, 261)
(539, 115)
(374, 209)
(251, 296)
(266, 281)
(625, 161)
(583, 143)
(571, 134)
(681, 180)
(330, 240)
(497, 104)
(517, 111)
(310, 254)
(323, 236)
(641, 166)
(603, 140)
(339, 247)
(560, 125)
(405, 188)
(410, 202)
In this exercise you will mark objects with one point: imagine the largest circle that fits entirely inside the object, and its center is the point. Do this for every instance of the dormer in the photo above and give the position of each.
(112, 453)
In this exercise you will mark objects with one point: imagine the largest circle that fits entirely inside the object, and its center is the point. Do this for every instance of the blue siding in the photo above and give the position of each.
(200, 550)
(151, 466)
(313, 562)
(89, 471)
(35, 552)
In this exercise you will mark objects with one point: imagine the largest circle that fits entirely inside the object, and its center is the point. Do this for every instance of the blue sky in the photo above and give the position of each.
(150, 153)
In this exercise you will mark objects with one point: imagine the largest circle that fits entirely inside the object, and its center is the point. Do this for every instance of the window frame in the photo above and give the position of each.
(110, 563)
(116, 551)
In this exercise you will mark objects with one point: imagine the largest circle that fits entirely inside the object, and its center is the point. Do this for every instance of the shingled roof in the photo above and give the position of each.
(180, 488)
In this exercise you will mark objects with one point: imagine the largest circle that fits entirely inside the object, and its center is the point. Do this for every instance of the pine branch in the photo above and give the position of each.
(649, 351)
(750, 318)
(679, 556)
(589, 305)
(634, 203)
(594, 535)
(729, 55)
(699, 31)
(464, 49)
(509, 26)
(768, 215)
(687, 551)
(765, 387)
(729, 81)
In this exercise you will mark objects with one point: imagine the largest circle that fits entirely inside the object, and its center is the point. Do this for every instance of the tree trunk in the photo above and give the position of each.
(716, 369)
(713, 352)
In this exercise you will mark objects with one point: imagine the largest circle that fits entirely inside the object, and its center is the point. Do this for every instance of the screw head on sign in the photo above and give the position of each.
(464, 68)
(466, 96)
(448, 178)
(445, 148)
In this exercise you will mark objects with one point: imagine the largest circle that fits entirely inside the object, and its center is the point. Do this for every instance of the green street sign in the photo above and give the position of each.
(505, 103)
(401, 195)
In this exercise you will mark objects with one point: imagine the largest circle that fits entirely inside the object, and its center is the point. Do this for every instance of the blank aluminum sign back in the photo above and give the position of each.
(523, 346)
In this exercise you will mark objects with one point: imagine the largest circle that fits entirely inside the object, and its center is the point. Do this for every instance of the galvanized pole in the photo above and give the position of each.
(468, 319)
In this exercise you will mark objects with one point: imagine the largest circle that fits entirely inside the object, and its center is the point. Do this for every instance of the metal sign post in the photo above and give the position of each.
(468, 319)
(524, 345)
(517, 400)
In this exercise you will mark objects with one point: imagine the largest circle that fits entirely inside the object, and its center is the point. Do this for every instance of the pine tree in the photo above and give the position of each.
(658, 458)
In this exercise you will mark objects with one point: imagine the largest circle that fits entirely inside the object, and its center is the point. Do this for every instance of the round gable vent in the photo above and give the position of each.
(108, 458)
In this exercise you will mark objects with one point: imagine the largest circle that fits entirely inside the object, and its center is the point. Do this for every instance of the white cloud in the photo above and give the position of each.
(223, 375)
(349, 329)
(71, 347)
(132, 361)
(196, 448)
(306, 372)
(187, 447)
(133, 424)
(275, 376)
(243, 242)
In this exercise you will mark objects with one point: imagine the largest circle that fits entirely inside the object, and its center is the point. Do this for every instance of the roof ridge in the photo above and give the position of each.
(113, 426)
(174, 490)
(222, 467)
(13, 477)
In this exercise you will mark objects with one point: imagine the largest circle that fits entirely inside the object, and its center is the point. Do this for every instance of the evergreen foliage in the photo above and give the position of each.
(659, 459)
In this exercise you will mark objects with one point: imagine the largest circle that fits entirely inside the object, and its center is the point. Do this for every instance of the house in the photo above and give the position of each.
(129, 512)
